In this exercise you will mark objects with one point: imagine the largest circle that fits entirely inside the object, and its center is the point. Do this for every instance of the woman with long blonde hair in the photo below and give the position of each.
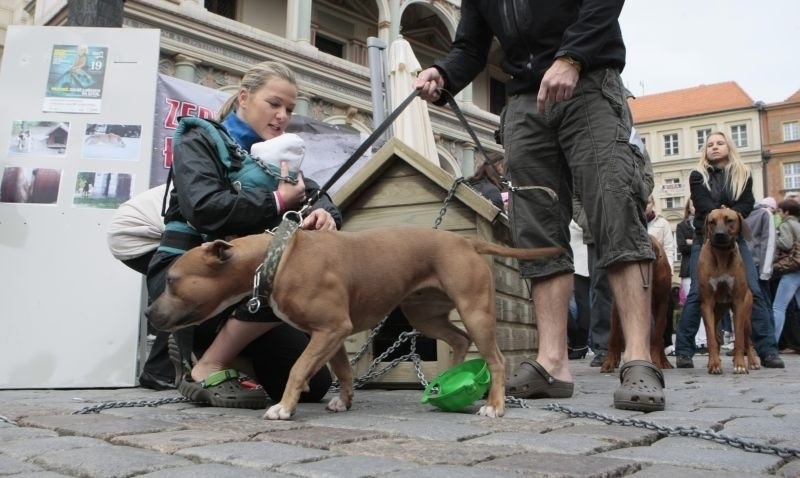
(220, 191)
(720, 180)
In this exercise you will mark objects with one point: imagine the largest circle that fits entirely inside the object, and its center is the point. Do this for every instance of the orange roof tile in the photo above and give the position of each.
(690, 101)
(794, 98)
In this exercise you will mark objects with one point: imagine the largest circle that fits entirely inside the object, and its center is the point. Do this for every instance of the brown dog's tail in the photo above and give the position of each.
(483, 247)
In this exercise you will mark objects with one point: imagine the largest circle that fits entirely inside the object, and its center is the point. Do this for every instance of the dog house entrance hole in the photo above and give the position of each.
(394, 326)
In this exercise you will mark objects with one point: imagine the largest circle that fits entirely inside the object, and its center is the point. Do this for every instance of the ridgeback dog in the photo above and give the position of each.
(334, 284)
(660, 286)
(722, 285)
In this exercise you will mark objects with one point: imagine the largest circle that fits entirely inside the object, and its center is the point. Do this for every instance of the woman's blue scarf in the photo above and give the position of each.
(241, 132)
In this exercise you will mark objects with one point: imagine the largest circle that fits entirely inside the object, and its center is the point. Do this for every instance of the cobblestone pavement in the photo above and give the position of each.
(389, 433)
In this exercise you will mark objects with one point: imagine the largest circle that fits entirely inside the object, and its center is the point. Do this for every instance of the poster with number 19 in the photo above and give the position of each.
(75, 80)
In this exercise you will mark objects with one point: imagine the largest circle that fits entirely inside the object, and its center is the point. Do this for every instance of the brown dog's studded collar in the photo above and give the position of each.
(265, 273)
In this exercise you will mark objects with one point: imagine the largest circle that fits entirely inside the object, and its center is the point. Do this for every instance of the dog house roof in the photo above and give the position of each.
(394, 151)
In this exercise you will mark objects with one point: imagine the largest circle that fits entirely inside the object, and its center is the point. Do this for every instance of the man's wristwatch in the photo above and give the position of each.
(571, 61)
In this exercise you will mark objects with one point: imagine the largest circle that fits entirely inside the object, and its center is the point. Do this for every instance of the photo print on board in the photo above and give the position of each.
(38, 138)
(102, 190)
(75, 80)
(30, 185)
(112, 141)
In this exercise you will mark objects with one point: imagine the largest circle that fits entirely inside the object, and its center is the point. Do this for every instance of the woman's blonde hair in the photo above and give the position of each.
(737, 173)
(256, 77)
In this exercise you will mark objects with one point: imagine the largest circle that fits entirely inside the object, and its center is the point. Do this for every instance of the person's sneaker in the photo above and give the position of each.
(772, 361)
(701, 349)
(579, 353)
(598, 359)
(154, 382)
(683, 361)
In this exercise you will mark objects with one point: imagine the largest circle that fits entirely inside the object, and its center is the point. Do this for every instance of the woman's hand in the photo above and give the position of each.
(319, 220)
(293, 195)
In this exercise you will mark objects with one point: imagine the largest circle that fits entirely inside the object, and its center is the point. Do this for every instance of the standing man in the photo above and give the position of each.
(567, 121)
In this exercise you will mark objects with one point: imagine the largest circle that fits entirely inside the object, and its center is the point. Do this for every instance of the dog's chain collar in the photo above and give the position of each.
(264, 275)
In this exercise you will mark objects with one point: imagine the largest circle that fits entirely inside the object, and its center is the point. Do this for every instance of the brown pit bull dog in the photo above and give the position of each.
(660, 286)
(334, 284)
(722, 285)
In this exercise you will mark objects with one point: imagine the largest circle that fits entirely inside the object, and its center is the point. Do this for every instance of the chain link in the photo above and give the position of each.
(7, 420)
(443, 210)
(133, 403)
(692, 431)
(374, 372)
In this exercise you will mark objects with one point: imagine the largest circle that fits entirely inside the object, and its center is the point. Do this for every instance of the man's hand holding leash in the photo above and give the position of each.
(429, 82)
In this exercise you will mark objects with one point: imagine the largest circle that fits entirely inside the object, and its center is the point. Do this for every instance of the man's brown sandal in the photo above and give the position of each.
(641, 387)
(533, 381)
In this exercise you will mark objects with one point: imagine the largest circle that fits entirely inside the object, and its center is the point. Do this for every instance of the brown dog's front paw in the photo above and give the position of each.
(492, 412)
(278, 412)
(338, 405)
(609, 364)
(714, 367)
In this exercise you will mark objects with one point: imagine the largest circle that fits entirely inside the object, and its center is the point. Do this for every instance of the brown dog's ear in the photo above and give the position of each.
(218, 250)
(744, 229)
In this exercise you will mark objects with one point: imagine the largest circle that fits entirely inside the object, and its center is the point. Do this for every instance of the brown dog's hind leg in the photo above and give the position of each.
(615, 342)
(433, 321)
(481, 327)
(340, 364)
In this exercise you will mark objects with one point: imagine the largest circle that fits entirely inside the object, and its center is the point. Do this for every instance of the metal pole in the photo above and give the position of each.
(377, 70)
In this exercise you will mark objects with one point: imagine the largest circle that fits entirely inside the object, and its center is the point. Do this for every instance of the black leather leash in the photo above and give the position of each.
(360, 151)
(451, 101)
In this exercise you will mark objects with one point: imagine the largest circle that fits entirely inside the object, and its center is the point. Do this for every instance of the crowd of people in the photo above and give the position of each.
(577, 187)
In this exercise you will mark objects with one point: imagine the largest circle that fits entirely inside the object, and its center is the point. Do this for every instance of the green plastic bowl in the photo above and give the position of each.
(459, 387)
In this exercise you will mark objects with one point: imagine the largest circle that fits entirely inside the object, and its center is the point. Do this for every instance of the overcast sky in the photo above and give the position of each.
(675, 44)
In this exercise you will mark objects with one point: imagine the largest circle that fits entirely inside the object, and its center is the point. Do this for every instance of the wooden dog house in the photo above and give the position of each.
(398, 186)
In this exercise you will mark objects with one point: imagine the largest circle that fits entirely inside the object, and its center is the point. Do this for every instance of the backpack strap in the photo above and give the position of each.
(228, 151)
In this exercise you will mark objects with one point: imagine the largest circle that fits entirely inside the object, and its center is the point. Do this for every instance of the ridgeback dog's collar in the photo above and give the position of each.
(264, 276)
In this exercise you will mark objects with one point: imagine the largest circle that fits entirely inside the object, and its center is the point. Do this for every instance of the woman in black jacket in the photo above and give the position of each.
(221, 191)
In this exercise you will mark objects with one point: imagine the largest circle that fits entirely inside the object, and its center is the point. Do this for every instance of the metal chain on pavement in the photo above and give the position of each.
(132, 403)
(693, 432)
(7, 420)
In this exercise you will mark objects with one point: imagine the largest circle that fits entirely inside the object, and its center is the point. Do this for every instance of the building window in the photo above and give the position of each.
(739, 135)
(671, 144)
(702, 136)
(497, 95)
(226, 8)
(329, 45)
(672, 203)
(791, 176)
(791, 131)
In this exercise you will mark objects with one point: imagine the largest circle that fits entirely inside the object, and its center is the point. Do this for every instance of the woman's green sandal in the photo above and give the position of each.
(226, 388)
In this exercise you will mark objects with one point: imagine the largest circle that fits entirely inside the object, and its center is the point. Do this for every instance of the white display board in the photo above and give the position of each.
(75, 141)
